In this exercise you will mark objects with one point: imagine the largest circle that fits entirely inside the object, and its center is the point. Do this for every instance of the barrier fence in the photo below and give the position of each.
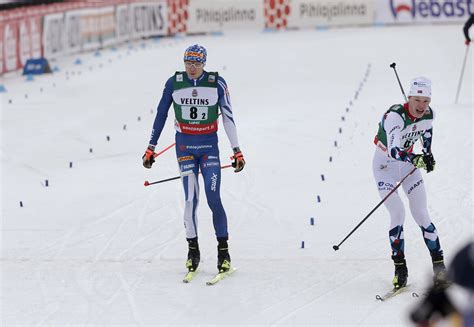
(60, 29)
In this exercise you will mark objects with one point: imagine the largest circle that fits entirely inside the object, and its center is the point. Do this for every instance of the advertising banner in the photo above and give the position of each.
(149, 19)
(54, 32)
(221, 15)
(24, 41)
(35, 36)
(423, 11)
(123, 23)
(10, 43)
(29, 36)
(88, 29)
(2, 66)
(317, 13)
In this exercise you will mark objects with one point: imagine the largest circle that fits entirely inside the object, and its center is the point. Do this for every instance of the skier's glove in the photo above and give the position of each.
(238, 158)
(430, 162)
(149, 156)
(425, 161)
(466, 42)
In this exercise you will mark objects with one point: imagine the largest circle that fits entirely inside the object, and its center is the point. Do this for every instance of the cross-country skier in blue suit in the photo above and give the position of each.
(197, 96)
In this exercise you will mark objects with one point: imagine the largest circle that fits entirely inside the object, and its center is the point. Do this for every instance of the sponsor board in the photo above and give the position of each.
(20, 38)
(149, 19)
(124, 22)
(316, 13)
(53, 35)
(35, 31)
(10, 42)
(91, 28)
(88, 29)
(1, 48)
(296, 14)
(221, 15)
(422, 11)
(24, 41)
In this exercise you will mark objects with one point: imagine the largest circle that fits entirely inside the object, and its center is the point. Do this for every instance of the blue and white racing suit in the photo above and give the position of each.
(196, 152)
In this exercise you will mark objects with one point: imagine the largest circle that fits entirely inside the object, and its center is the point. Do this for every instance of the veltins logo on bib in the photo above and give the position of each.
(431, 8)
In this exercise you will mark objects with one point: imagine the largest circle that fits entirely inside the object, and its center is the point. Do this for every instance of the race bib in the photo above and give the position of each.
(194, 113)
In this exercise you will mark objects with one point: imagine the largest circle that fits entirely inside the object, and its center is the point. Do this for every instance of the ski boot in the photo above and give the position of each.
(194, 255)
(223, 257)
(401, 272)
(440, 277)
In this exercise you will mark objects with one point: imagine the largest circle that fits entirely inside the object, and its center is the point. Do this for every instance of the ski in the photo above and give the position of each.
(392, 293)
(220, 276)
(189, 276)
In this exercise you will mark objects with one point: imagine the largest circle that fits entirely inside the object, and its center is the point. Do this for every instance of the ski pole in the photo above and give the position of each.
(336, 247)
(462, 73)
(166, 149)
(147, 183)
(398, 79)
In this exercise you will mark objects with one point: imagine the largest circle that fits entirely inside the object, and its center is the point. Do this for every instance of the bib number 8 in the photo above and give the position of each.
(195, 113)
(408, 144)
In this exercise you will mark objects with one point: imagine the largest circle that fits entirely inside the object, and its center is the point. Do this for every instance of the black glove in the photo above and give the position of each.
(149, 157)
(425, 161)
(239, 162)
(430, 162)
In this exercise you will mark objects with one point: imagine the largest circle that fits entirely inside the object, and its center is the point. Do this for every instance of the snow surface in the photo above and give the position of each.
(96, 247)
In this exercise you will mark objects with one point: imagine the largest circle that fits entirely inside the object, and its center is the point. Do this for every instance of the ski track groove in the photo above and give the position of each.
(296, 295)
(43, 289)
(129, 296)
(332, 290)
